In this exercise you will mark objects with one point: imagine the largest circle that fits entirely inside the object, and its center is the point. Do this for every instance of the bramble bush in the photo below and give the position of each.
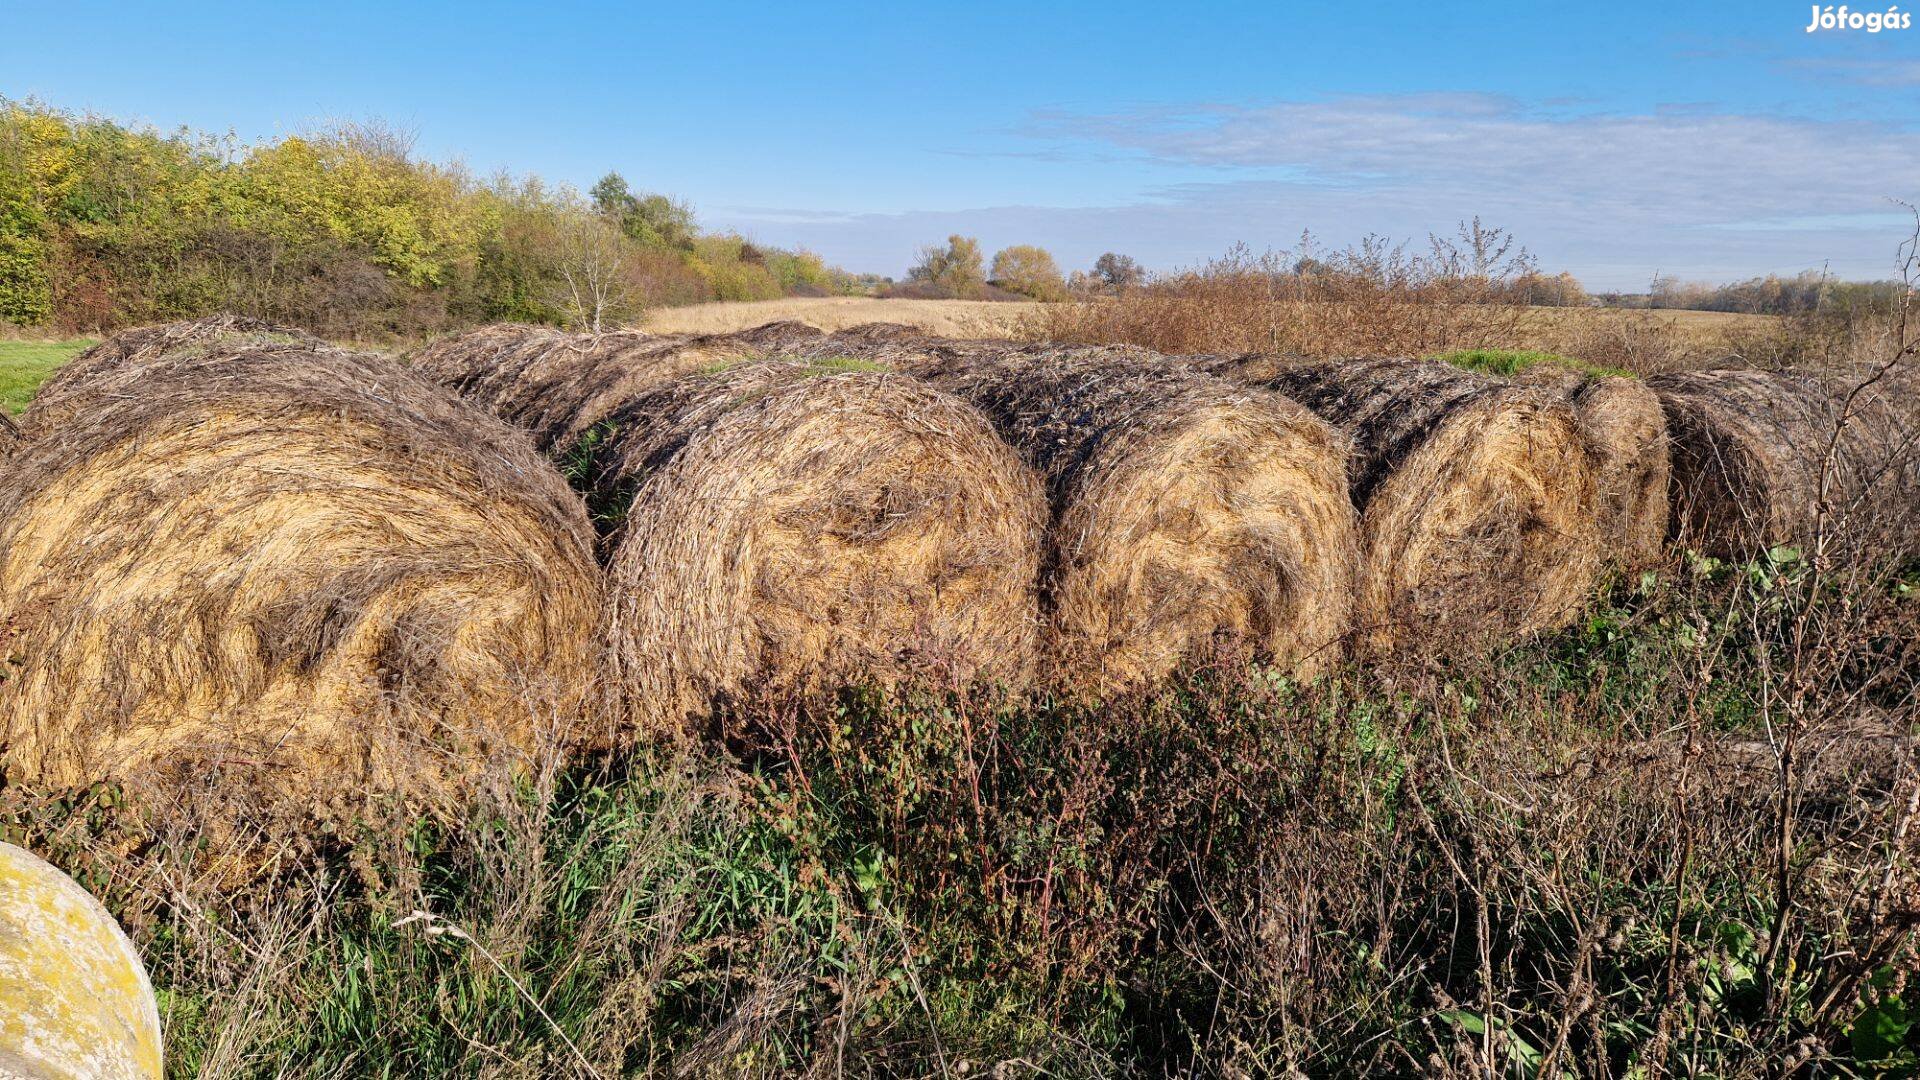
(1672, 839)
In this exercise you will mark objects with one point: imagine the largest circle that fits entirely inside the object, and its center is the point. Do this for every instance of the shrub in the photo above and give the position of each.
(1374, 299)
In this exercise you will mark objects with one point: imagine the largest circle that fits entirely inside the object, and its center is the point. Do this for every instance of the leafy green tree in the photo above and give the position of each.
(340, 230)
(649, 219)
(1029, 271)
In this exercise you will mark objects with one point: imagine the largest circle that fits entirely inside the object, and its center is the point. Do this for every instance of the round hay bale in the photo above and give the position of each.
(1626, 434)
(1476, 499)
(559, 386)
(1252, 369)
(484, 365)
(882, 334)
(789, 528)
(1755, 453)
(1632, 466)
(578, 398)
(74, 995)
(1185, 510)
(147, 343)
(301, 567)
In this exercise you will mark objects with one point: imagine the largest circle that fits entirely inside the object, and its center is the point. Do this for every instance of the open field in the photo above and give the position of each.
(1698, 326)
(989, 319)
(948, 318)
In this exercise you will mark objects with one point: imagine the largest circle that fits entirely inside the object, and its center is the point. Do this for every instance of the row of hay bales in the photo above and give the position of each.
(1380, 505)
(232, 555)
(1135, 513)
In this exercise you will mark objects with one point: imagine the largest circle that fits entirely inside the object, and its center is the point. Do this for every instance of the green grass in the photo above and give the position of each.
(1508, 362)
(834, 365)
(24, 365)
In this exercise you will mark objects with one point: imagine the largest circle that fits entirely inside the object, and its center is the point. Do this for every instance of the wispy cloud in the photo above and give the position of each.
(1862, 71)
(1612, 195)
(1672, 166)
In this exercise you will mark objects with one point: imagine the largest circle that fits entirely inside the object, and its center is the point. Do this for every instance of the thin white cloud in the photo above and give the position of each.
(1612, 196)
(1677, 167)
(1862, 71)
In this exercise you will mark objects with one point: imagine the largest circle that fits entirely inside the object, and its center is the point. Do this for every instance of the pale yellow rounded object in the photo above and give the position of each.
(74, 997)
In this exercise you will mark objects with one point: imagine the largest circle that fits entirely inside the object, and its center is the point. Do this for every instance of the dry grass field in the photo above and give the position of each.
(1703, 331)
(1692, 325)
(948, 318)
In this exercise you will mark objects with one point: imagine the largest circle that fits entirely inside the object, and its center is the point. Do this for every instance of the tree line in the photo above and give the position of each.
(1802, 294)
(343, 231)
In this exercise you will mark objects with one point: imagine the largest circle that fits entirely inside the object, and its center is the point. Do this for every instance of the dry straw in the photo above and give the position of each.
(145, 344)
(790, 527)
(300, 568)
(559, 386)
(1633, 466)
(1757, 453)
(1187, 512)
(1626, 434)
(1476, 499)
(485, 366)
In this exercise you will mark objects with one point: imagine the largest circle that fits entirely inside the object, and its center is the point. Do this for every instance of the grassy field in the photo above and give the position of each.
(25, 364)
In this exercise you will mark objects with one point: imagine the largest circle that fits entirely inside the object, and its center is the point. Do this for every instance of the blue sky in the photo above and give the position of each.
(1709, 141)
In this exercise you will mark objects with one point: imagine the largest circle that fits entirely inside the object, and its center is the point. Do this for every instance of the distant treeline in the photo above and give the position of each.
(1802, 294)
(342, 231)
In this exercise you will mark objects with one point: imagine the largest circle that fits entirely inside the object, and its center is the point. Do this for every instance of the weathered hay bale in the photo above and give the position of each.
(882, 334)
(1476, 499)
(484, 365)
(1626, 433)
(578, 398)
(303, 564)
(1253, 369)
(1751, 449)
(74, 996)
(147, 343)
(559, 386)
(1186, 510)
(1632, 466)
(791, 528)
